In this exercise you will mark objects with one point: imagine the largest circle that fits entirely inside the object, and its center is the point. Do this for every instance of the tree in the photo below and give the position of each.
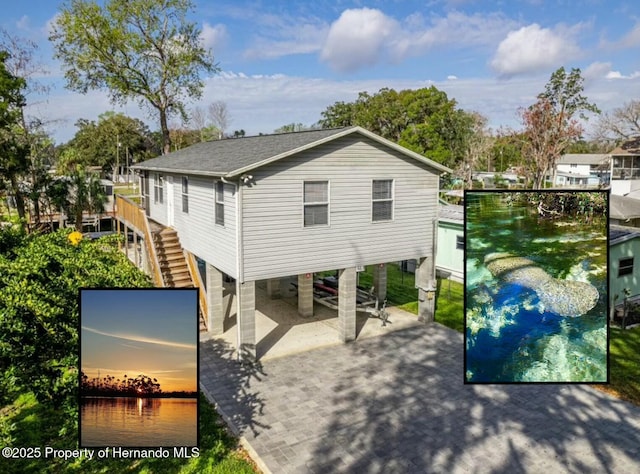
(14, 151)
(619, 125)
(144, 50)
(77, 192)
(477, 149)
(423, 120)
(219, 116)
(30, 130)
(550, 125)
(291, 127)
(113, 140)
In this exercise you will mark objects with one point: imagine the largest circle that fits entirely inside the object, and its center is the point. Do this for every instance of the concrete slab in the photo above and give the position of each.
(397, 404)
(281, 331)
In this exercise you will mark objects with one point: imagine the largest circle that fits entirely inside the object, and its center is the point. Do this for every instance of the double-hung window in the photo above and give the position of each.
(158, 189)
(219, 196)
(185, 194)
(316, 203)
(382, 200)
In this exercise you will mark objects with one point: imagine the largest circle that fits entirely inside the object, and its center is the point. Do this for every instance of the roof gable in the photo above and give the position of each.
(234, 156)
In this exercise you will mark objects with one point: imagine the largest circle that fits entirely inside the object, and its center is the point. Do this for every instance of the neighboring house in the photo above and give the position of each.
(624, 268)
(624, 211)
(450, 243)
(625, 168)
(587, 168)
(273, 206)
(564, 178)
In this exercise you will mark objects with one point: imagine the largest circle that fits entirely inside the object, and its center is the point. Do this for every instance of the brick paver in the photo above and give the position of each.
(396, 403)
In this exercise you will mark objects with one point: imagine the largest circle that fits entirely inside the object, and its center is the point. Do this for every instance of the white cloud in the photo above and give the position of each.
(358, 39)
(452, 77)
(458, 29)
(598, 70)
(630, 40)
(284, 35)
(532, 48)
(24, 23)
(213, 36)
(364, 37)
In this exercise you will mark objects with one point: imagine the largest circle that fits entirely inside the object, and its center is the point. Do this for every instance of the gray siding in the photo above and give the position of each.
(197, 229)
(276, 243)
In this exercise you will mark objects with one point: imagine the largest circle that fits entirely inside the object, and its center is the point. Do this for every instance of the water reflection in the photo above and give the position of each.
(139, 422)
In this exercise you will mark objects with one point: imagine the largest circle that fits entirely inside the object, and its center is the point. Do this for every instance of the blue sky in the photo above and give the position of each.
(286, 61)
(151, 332)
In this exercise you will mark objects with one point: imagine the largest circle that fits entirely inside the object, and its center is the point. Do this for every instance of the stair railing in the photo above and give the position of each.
(134, 216)
(198, 283)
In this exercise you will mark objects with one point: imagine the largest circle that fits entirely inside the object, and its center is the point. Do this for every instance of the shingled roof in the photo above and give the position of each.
(233, 156)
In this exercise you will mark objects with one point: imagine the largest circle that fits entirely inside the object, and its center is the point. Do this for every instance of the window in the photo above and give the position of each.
(219, 192)
(459, 242)
(316, 203)
(382, 200)
(625, 266)
(158, 188)
(185, 194)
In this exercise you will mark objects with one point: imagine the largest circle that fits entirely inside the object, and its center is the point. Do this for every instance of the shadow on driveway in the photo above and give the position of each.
(397, 403)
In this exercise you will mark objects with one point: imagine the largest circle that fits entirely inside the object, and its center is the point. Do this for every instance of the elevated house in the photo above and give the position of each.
(275, 206)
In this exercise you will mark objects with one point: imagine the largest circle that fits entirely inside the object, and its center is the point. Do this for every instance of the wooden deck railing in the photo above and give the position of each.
(197, 281)
(134, 216)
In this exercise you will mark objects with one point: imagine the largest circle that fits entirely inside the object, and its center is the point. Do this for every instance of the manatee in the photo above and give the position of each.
(563, 297)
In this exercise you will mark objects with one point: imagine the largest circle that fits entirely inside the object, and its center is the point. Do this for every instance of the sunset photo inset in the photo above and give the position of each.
(138, 367)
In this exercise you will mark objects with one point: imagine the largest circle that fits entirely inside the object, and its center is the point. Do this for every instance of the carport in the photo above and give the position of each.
(281, 330)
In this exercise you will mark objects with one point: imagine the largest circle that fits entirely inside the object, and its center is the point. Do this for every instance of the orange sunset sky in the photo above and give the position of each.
(153, 332)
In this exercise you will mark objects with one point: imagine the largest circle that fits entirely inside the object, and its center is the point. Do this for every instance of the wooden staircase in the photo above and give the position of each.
(178, 268)
(169, 264)
(173, 264)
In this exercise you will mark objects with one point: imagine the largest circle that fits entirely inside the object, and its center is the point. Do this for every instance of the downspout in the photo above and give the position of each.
(239, 257)
(239, 253)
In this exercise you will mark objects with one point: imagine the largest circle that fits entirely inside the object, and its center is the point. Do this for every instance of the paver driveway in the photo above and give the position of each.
(396, 403)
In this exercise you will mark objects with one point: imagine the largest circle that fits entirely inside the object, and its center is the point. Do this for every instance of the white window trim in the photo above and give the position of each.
(392, 199)
(328, 203)
(216, 202)
(183, 194)
(158, 188)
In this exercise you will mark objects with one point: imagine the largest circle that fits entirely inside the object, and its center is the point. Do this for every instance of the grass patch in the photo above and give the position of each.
(624, 364)
(401, 292)
(126, 190)
(28, 423)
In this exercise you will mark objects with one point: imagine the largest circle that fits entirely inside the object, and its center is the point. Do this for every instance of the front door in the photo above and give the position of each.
(169, 182)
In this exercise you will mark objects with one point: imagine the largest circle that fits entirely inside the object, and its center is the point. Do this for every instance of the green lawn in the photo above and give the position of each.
(401, 292)
(33, 425)
(624, 363)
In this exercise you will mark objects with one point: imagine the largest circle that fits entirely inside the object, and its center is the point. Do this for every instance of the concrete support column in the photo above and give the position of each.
(305, 295)
(273, 288)
(380, 281)
(246, 312)
(426, 282)
(215, 306)
(347, 304)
